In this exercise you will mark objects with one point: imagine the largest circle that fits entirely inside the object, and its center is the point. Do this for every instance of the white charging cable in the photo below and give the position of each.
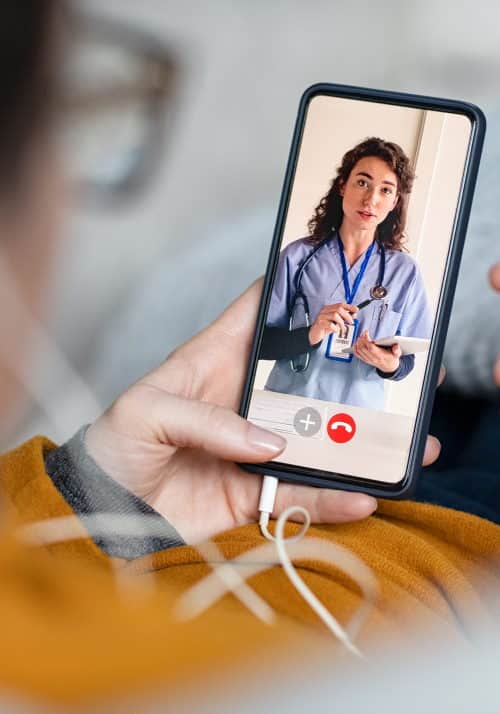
(225, 577)
(266, 506)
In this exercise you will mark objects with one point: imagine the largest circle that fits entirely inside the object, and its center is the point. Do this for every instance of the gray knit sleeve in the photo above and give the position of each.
(89, 490)
(473, 341)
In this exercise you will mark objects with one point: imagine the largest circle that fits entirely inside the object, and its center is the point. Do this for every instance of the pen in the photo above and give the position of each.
(365, 303)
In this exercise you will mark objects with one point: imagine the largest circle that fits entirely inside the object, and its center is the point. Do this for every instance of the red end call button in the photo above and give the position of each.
(341, 428)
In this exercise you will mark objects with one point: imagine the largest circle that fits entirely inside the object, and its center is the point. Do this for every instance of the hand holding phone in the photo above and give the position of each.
(173, 437)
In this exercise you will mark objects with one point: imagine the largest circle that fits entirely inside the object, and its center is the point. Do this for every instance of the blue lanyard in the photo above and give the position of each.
(350, 294)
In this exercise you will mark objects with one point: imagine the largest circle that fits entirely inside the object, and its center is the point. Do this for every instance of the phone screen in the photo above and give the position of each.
(364, 246)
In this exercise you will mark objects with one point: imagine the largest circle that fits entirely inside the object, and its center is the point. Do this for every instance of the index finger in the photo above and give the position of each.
(432, 450)
(325, 505)
(494, 276)
(239, 318)
(340, 306)
(225, 343)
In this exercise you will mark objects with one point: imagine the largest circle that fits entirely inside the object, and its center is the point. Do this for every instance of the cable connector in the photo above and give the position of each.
(266, 507)
(266, 503)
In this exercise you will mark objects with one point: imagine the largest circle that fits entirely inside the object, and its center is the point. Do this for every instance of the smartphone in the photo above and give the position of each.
(368, 240)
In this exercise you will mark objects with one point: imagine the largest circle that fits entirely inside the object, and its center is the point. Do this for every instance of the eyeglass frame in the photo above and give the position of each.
(150, 50)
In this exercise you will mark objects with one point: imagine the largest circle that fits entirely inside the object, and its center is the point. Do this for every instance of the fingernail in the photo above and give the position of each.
(266, 440)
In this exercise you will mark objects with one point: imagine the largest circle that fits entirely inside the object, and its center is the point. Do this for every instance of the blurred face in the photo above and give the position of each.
(30, 222)
(107, 108)
(369, 194)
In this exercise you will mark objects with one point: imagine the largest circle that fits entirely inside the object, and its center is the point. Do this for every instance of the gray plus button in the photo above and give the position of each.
(307, 421)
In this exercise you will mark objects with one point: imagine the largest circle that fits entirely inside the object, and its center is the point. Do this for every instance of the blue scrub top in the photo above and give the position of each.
(404, 311)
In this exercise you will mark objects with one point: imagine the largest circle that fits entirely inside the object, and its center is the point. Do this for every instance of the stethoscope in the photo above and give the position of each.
(377, 292)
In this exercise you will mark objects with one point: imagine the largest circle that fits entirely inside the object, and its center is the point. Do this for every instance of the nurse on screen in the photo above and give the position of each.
(353, 256)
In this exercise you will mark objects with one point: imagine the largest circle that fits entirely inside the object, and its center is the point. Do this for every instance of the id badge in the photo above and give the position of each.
(336, 346)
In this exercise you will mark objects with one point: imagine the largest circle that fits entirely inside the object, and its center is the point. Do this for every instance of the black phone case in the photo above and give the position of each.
(328, 479)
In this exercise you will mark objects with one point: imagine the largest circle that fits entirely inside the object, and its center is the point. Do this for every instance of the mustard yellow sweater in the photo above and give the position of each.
(68, 635)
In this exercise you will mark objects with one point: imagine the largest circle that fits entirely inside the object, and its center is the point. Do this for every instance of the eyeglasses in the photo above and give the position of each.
(118, 86)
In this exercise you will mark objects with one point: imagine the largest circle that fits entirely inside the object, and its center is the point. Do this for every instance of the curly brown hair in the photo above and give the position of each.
(328, 214)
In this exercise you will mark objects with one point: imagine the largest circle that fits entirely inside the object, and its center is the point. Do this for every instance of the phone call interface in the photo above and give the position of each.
(363, 251)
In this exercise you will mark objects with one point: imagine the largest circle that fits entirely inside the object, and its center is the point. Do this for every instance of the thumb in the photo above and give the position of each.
(188, 423)
(396, 350)
(496, 372)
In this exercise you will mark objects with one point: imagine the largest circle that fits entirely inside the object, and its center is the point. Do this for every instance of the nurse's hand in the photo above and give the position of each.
(384, 358)
(332, 318)
(494, 276)
(173, 438)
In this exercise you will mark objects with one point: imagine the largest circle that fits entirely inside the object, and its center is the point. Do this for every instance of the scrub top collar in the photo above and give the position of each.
(334, 247)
